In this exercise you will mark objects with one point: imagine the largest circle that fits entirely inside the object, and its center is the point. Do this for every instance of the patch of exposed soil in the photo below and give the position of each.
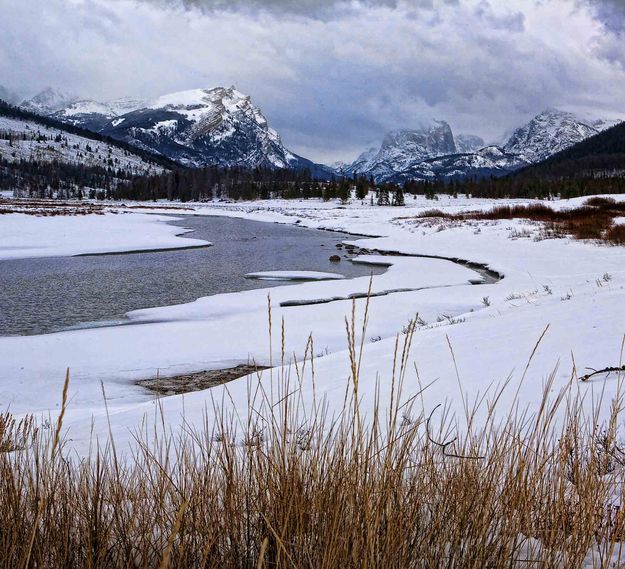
(197, 381)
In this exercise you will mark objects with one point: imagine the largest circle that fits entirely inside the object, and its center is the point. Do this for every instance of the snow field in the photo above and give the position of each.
(568, 294)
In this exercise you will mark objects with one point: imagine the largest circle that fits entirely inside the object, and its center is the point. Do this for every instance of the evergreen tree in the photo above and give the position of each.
(344, 192)
(361, 188)
(383, 195)
(398, 197)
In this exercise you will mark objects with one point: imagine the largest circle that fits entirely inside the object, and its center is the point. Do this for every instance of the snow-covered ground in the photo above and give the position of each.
(23, 236)
(573, 290)
(294, 276)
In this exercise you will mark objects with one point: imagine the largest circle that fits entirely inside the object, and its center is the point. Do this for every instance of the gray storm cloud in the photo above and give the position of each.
(331, 76)
(610, 12)
(307, 7)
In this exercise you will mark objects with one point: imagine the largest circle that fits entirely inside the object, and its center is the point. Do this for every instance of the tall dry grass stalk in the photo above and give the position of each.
(292, 485)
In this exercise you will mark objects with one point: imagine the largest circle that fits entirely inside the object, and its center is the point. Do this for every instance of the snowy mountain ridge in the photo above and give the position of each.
(402, 150)
(547, 134)
(399, 159)
(222, 126)
(199, 127)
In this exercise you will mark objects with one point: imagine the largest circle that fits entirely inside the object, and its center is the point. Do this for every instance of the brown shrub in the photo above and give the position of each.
(593, 220)
(599, 201)
(616, 235)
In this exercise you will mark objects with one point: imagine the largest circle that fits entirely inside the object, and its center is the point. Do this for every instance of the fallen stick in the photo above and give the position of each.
(607, 370)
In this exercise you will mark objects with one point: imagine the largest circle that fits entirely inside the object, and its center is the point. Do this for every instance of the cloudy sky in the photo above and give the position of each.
(332, 76)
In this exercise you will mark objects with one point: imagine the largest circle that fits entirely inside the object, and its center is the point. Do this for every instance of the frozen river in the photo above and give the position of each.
(49, 294)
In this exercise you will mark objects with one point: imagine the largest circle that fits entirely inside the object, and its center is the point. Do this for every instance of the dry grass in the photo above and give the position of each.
(593, 220)
(54, 207)
(293, 486)
(48, 207)
(14, 434)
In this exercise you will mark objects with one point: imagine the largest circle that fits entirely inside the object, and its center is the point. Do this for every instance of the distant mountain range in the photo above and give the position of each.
(201, 127)
(221, 126)
(432, 151)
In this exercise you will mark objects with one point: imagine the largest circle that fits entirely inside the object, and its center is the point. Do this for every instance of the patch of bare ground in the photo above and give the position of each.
(186, 383)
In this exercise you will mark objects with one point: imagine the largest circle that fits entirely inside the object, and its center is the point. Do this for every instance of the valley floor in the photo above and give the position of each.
(559, 310)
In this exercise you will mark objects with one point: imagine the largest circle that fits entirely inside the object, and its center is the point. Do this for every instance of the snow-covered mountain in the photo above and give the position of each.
(468, 143)
(200, 127)
(204, 127)
(547, 134)
(48, 102)
(400, 158)
(402, 150)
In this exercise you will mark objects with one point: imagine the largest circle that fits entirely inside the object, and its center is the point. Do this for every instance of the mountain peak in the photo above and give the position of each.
(555, 112)
(466, 143)
(402, 149)
(548, 133)
(200, 97)
(204, 127)
(49, 101)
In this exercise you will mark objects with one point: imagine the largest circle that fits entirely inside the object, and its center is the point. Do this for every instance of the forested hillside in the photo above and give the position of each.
(40, 157)
(599, 156)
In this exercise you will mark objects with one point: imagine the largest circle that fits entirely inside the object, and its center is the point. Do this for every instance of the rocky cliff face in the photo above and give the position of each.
(402, 150)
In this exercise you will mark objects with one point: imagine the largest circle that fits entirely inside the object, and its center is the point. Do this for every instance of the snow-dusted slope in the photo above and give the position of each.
(24, 140)
(547, 134)
(404, 149)
(94, 115)
(604, 124)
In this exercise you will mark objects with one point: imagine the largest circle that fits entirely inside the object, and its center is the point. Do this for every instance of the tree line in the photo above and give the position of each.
(234, 183)
(53, 179)
(522, 186)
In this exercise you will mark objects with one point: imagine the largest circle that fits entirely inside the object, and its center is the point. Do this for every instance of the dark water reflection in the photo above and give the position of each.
(44, 295)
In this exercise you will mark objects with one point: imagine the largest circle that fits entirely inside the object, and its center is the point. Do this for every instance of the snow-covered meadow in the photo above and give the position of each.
(568, 294)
